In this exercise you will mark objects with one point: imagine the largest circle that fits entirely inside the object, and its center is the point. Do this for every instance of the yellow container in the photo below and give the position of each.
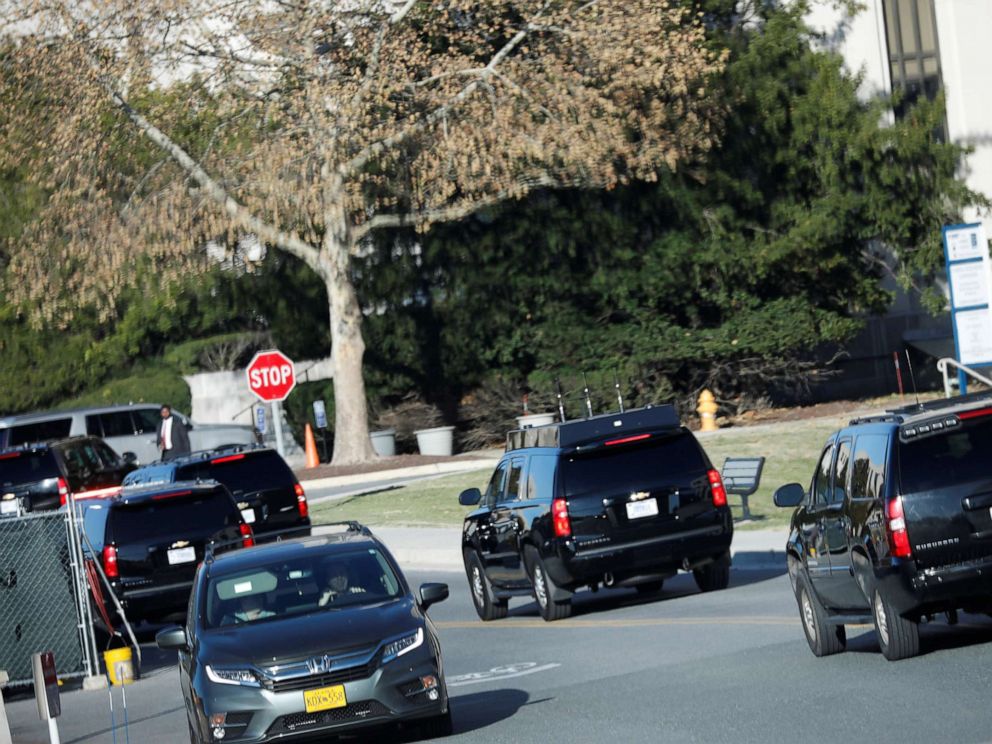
(119, 666)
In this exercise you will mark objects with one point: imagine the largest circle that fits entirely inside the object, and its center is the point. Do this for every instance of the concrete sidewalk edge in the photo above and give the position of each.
(438, 468)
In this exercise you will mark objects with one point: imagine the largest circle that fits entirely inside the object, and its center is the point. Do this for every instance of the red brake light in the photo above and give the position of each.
(976, 413)
(895, 523)
(247, 538)
(63, 492)
(716, 487)
(228, 458)
(625, 440)
(170, 495)
(301, 501)
(559, 513)
(9, 455)
(110, 562)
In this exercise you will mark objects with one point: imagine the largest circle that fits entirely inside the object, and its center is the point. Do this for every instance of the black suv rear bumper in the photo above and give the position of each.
(914, 591)
(665, 554)
(154, 602)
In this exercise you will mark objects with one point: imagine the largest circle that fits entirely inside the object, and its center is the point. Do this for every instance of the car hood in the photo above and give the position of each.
(293, 638)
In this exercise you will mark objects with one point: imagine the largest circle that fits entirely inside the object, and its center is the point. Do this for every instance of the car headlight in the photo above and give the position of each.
(400, 646)
(232, 676)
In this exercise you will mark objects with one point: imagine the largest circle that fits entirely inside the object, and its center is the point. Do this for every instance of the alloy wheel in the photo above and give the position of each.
(809, 620)
(540, 586)
(881, 620)
(478, 590)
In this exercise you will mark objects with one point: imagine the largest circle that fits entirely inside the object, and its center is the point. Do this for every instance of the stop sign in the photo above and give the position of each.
(271, 375)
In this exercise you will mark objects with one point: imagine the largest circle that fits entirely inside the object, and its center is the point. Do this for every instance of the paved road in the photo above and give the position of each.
(729, 666)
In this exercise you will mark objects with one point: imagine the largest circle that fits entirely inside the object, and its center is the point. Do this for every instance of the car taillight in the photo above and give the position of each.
(895, 524)
(110, 562)
(716, 487)
(247, 538)
(559, 513)
(301, 501)
(63, 492)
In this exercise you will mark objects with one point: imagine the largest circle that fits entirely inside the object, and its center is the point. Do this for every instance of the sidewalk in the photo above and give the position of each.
(438, 468)
(439, 548)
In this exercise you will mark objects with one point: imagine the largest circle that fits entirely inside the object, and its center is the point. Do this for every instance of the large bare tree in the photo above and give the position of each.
(334, 118)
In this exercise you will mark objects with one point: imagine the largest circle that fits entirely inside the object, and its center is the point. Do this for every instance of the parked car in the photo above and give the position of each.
(127, 428)
(896, 525)
(308, 636)
(622, 499)
(149, 540)
(266, 489)
(41, 476)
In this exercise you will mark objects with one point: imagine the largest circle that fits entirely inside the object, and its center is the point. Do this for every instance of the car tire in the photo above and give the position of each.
(650, 587)
(823, 638)
(437, 727)
(713, 576)
(898, 637)
(544, 589)
(486, 605)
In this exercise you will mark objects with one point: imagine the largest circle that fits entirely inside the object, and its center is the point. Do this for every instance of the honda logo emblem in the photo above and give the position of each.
(319, 664)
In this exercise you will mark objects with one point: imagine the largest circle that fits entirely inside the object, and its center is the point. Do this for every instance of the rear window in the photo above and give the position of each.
(169, 517)
(43, 431)
(242, 472)
(27, 467)
(961, 456)
(94, 523)
(633, 468)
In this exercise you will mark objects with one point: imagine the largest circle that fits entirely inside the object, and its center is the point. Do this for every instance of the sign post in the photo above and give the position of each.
(969, 275)
(46, 691)
(272, 377)
(4, 728)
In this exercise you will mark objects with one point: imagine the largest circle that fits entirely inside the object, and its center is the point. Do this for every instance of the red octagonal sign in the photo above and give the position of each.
(271, 375)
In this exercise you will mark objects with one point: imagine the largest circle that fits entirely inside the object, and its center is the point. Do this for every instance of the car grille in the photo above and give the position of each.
(354, 712)
(333, 677)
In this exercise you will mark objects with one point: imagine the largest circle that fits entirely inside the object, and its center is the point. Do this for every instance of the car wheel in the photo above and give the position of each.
(486, 605)
(898, 637)
(650, 587)
(823, 638)
(544, 589)
(437, 727)
(713, 576)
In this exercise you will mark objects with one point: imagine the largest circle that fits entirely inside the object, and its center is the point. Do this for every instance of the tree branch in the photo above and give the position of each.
(452, 213)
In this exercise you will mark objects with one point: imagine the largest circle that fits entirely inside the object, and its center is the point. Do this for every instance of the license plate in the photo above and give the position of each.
(641, 509)
(249, 515)
(8, 507)
(324, 698)
(181, 555)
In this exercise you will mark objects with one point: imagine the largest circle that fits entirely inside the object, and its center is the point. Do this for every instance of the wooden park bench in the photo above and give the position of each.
(741, 477)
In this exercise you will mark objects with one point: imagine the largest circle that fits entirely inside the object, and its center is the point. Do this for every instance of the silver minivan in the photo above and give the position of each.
(131, 427)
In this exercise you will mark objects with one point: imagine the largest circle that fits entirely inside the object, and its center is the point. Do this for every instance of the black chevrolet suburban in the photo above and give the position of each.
(896, 525)
(623, 499)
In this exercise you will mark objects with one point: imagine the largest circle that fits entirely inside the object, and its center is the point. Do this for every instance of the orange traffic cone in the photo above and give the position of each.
(311, 448)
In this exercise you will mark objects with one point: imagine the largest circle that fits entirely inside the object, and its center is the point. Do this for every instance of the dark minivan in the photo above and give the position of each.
(41, 476)
(896, 525)
(150, 539)
(625, 499)
(265, 488)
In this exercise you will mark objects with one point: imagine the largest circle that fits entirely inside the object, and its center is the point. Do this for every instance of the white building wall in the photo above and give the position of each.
(860, 40)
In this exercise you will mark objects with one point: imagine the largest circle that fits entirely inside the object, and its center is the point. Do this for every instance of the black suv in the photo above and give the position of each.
(896, 525)
(41, 476)
(268, 493)
(149, 540)
(622, 499)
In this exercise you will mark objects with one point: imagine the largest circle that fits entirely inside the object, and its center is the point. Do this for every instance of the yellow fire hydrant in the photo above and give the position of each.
(707, 411)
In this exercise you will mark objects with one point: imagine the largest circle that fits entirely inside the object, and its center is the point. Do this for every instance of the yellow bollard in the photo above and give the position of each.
(707, 409)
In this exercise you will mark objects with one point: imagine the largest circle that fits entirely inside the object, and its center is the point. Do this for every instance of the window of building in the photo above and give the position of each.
(914, 55)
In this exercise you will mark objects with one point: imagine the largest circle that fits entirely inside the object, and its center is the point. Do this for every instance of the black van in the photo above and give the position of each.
(622, 499)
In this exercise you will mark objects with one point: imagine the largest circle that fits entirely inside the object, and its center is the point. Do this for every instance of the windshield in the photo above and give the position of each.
(27, 467)
(962, 456)
(312, 583)
(161, 520)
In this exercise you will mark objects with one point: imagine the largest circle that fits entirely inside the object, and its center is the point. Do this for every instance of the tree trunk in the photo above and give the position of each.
(351, 423)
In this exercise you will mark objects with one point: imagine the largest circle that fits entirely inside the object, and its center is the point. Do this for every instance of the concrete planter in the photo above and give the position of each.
(535, 419)
(384, 442)
(436, 441)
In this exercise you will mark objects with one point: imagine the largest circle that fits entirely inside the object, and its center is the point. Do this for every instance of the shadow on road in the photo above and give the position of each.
(973, 630)
(477, 710)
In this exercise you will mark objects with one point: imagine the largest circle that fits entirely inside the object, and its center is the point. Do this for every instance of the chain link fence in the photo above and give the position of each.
(43, 598)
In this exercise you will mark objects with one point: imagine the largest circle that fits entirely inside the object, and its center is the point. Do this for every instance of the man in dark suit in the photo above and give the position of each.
(173, 439)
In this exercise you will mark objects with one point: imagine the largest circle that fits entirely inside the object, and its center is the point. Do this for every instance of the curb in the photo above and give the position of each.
(438, 468)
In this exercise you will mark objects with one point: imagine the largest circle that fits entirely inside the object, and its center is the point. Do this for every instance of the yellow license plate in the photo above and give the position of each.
(324, 698)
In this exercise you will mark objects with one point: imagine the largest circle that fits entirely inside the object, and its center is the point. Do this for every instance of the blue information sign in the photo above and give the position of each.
(969, 276)
(260, 419)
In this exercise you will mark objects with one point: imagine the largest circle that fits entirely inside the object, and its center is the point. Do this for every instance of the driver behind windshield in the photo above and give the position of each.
(337, 584)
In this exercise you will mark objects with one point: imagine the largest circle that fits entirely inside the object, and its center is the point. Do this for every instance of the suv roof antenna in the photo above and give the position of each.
(616, 384)
(585, 385)
(912, 378)
(561, 404)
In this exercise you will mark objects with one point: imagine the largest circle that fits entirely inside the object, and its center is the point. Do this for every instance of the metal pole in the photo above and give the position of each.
(277, 424)
(4, 728)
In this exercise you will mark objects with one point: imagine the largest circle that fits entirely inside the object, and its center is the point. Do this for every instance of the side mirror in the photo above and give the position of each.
(789, 495)
(432, 593)
(470, 497)
(172, 638)
(130, 458)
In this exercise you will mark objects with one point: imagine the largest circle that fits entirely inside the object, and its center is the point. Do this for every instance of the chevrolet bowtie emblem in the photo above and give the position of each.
(639, 496)
(7, 497)
(180, 543)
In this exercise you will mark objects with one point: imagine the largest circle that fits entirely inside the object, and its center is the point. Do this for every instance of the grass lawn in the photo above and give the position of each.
(790, 450)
